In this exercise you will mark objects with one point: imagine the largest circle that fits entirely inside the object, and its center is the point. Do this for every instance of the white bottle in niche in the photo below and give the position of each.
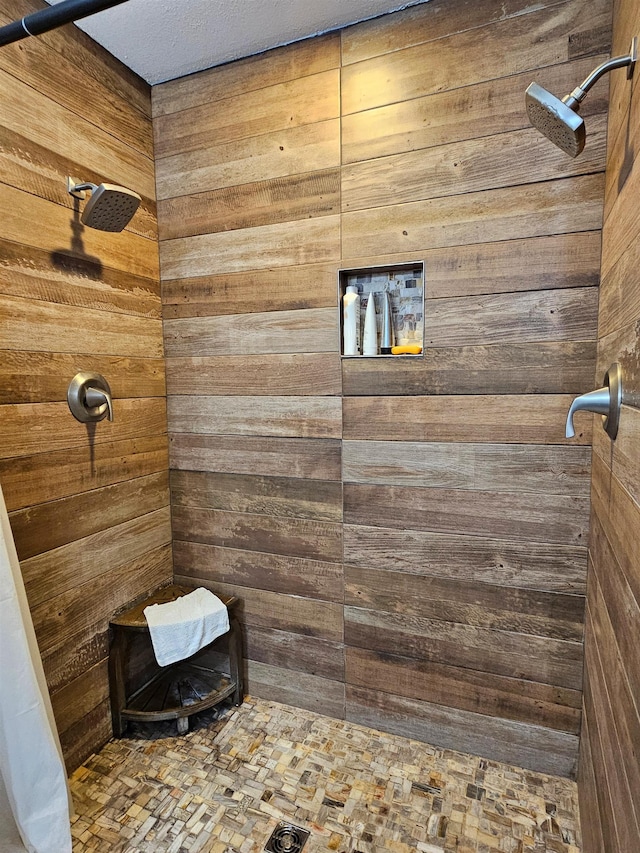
(351, 321)
(370, 337)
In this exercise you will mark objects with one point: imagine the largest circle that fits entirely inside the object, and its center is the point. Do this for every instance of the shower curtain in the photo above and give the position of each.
(34, 799)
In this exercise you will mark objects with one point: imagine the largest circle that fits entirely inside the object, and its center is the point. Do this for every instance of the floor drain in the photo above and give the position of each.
(287, 838)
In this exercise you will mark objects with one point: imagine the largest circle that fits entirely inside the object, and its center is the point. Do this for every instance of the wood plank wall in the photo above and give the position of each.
(609, 777)
(88, 505)
(434, 584)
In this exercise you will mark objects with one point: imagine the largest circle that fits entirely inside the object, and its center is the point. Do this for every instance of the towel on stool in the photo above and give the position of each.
(182, 627)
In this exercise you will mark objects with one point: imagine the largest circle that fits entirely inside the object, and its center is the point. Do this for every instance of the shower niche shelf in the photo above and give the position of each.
(143, 691)
(405, 284)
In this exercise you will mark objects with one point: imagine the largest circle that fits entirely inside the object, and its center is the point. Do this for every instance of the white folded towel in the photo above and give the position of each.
(182, 627)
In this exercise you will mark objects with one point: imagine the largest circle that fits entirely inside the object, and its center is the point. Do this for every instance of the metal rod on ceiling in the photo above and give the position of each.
(52, 17)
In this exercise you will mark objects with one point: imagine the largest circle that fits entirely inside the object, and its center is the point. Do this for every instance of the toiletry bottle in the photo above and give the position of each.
(351, 321)
(370, 337)
(387, 340)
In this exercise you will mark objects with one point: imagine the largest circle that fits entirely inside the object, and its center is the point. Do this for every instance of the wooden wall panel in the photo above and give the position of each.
(609, 781)
(88, 505)
(441, 513)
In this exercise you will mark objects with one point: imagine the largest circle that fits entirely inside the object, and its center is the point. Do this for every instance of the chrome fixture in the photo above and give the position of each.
(110, 207)
(50, 18)
(606, 401)
(557, 119)
(89, 398)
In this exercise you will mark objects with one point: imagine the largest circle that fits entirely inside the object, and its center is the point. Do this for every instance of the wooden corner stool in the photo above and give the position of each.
(176, 691)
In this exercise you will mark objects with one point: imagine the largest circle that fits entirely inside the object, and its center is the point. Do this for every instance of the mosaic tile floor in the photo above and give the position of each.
(224, 787)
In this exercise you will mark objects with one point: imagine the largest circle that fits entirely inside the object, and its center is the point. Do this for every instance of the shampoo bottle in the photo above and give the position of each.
(370, 337)
(351, 321)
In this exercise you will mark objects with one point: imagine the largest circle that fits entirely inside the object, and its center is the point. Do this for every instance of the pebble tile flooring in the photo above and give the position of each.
(224, 787)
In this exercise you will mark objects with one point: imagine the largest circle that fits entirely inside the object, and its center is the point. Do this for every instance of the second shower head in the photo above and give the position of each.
(110, 207)
(558, 119)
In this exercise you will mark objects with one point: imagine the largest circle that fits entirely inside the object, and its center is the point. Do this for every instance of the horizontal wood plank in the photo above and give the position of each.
(497, 514)
(296, 654)
(528, 468)
(305, 331)
(283, 199)
(543, 209)
(311, 417)
(251, 292)
(555, 568)
(51, 475)
(297, 537)
(286, 497)
(281, 244)
(495, 696)
(322, 695)
(318, 459)
(508, 419)
(520, 368)
(278, 374)
(255, 569)
(536, 747)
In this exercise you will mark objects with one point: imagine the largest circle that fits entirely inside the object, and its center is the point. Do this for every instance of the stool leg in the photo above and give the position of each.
(235, 660)
(183, 725)
(117, 658)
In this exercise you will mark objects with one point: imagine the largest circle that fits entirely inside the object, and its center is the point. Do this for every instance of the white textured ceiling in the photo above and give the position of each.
(163, 39)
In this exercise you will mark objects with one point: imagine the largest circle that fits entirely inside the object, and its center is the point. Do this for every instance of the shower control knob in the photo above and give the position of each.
(89, 398)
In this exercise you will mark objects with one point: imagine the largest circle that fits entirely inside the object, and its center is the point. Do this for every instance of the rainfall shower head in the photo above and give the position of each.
(110, 207)
(555, 120)
(558, 119)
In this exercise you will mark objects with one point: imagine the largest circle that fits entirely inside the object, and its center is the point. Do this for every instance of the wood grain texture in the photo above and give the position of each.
(35, 428)
(50, 475)
(556, 207)
(471, 602)
(415, 26)
(456, 687)
(499, 514)
(279, 244)
(522, 368)
(609, 780)
(535, 40)
(290, 151)
(297, 537)
(318, 459)
(282, 199)
(530, 468)
(311, 330)
(89, 505)
(31, 377)
(312, 374)
(273, 496)
(507, 419)
(508, 653)
(311, 417)
(322, 695)
(259, 570)
(265, 609)
(466, 166)
(465, 517)
(461, 114)
(559, 568)
(296, 102)
(284, 64)
(252, 291)
(539, 747)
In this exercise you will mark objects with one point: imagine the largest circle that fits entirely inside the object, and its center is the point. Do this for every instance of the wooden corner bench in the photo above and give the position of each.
(177, 691)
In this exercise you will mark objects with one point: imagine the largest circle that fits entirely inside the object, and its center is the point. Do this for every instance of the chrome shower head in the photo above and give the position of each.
(110, 207)
(555, 120)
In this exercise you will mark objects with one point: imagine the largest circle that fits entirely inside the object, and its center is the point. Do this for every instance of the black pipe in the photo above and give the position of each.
(54, 16)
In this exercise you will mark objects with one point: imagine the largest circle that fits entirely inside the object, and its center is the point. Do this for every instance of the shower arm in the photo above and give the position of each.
(576, 97)
(55, 16)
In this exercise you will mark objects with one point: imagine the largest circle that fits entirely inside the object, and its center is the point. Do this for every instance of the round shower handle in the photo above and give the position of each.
(89, 397)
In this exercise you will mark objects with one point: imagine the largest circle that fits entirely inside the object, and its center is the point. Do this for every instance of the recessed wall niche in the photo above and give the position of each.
(405, 285)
